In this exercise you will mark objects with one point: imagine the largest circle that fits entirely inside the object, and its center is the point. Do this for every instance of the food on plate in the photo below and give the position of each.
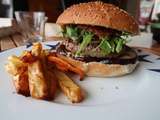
(38, 73)
(18, 69)
(96, 35)
(70, 89)
(38, 83)
(65, 66)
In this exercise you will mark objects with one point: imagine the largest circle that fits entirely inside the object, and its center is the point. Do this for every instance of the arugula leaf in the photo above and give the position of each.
(119, 45)
(112, 46)
(119, 42)
(87, 37)
(105, 46)
(71, 32)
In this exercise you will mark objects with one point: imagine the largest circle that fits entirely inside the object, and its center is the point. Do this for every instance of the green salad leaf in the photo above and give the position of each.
(119, 45)
(112, 45)
(108, 45)
(87, 37)
(71, 32)
(105, 46)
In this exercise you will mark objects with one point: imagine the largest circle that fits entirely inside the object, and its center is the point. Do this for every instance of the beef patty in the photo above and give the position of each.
(128, 56)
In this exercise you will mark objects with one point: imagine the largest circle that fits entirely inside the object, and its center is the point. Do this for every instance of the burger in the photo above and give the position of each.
(96, 35)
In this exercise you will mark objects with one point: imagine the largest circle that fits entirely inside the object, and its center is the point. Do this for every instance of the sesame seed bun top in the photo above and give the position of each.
(99, 14)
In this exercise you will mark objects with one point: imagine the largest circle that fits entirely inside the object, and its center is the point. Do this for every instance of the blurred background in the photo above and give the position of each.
(144, 11)
(54, 7)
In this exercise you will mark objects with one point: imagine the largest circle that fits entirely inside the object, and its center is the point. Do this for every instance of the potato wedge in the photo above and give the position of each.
(18, 70)
(21, 84)
(73, 62)
(27, 57)
(52, 84)
(15, 65)
(37, 82)
(36, 49)
(51, 79)
(69, 88)
(41, 82)
(65, 66)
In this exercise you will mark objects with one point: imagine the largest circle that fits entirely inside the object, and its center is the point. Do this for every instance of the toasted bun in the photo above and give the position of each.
(99, 14)
(98, 69)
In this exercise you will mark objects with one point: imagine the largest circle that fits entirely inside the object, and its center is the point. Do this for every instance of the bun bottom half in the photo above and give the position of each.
(98, 69)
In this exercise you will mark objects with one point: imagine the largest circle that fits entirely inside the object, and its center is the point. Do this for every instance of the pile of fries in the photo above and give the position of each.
(39, 73)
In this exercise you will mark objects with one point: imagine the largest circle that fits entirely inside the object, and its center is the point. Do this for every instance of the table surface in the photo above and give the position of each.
(17, 39)
(12, 41)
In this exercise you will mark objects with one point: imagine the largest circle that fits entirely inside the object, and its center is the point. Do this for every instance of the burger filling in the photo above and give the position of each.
(93, 43)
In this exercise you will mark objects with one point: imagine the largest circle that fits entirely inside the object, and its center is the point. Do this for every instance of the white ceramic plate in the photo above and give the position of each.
(132, 97)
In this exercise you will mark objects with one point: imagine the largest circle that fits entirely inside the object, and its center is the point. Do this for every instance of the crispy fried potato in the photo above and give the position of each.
(70, 89)
(15, 65)
(33, 55)
(27, 57)
(18, 70)
(65, 66)
(34, 75)
(73, 62)
(52, 84)
(36, 49)
(49, 76)
(41, 82)
(21, 84)
(37, 82)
